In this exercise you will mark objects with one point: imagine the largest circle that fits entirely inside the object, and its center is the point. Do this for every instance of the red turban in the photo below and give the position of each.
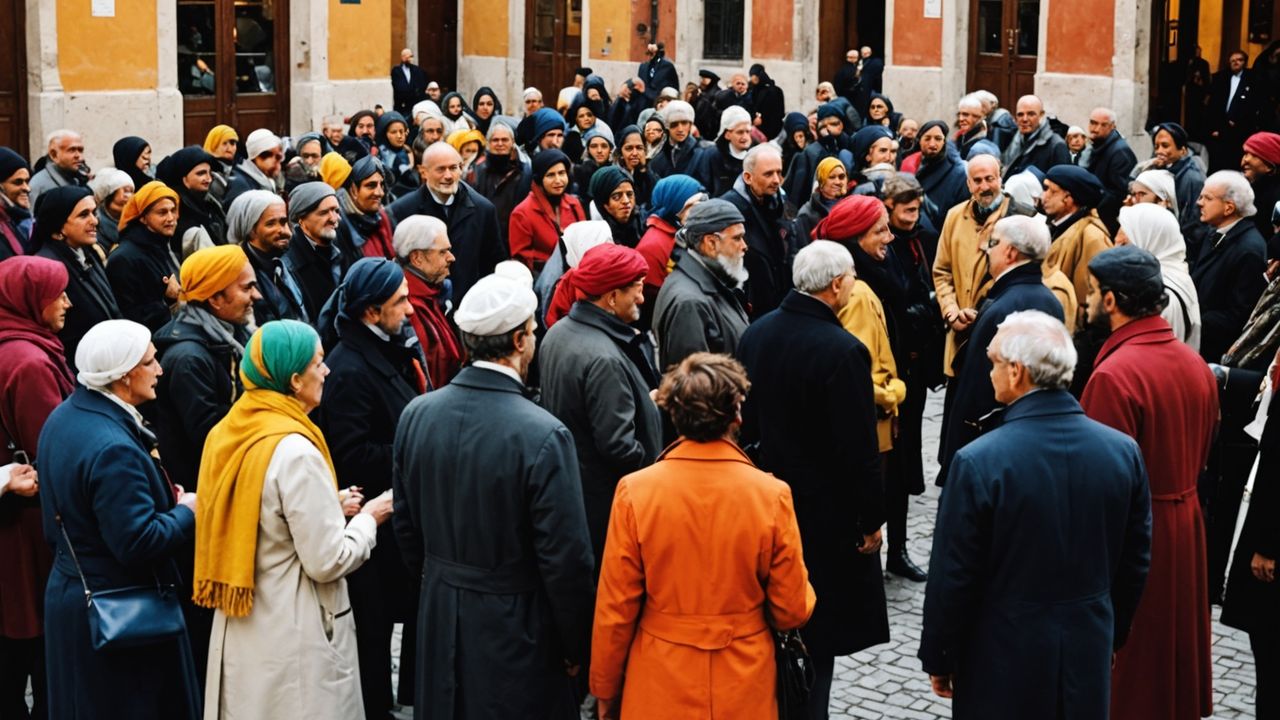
(601, 269)
(849, 218)
(1265, 145)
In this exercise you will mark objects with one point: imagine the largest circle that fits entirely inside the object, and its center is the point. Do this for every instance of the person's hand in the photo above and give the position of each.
(171, 287)
(379, 507)
(608, 708)
(1273, 268)
(189, 500)
(963, 319)
(1264, 568)
(870, 543)
(351, 498)
(638, 84)
(757, 120)
(942, 685)
(23, 480)
(624, 91)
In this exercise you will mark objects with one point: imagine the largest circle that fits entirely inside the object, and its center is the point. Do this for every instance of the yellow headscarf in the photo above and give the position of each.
(218, 135)
(209, 271)
(143, 198)
(825, 167)
(234, 464)
(458, 138)
(334, 170)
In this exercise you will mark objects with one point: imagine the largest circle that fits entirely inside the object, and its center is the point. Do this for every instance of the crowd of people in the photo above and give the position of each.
(593, 398)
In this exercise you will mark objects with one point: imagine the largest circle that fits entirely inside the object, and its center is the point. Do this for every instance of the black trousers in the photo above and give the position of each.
(1266, 658)
(820, 695)
(19, 660)
(378, 592)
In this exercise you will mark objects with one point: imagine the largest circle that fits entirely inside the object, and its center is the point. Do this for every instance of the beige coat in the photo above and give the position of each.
(294, 655)
(1073, 250)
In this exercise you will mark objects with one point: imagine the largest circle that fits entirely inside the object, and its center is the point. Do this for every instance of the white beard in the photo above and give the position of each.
(733, 267)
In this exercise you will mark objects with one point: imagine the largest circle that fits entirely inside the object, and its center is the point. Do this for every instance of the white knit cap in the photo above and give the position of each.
(110, 350)
(733, 115)
(514, 270)
(582, 236)
(107, 181)
(260, 141)
(676, 110)
(495, 305)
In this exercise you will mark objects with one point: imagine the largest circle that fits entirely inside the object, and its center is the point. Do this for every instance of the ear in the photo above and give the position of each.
(1109, 301)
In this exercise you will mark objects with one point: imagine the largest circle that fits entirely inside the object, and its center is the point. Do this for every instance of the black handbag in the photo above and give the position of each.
(129, 616)
(796, 674)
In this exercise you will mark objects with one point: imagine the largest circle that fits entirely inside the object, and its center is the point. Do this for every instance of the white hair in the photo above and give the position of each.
(333, 121)
(1111, 114)
(753, 155)
(1235, 189)
(1040, 343)
(1027, 235)
(818, 263)
(417, 232)
(57, 136)
(986, 96)
(971, 101)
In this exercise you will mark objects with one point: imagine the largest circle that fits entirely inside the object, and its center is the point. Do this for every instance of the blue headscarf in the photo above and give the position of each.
(370, 281)
(670, 195)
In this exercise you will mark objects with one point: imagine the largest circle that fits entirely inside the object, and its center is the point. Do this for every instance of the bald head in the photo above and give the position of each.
(406, 55)
(984, 179)
(441, 169)
(1029, 112)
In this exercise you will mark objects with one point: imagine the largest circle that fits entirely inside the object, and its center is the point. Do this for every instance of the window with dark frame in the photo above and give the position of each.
(722, 29)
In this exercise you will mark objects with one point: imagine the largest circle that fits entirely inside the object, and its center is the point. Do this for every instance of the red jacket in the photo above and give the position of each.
(533, 233)
(656, 246)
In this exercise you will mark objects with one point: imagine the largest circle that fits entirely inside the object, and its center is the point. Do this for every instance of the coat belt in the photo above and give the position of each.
(1175, 497)
(705, 632)
(508, 579)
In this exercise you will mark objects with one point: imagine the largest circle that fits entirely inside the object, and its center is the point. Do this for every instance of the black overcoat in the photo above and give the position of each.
(1229, 281)
(473, 230)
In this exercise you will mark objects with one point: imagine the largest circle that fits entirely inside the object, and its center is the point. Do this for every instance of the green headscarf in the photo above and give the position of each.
(277, 351)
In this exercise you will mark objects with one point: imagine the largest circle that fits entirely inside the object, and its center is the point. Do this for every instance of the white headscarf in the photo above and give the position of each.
(1160, 182)
(428, 108)
(1155, 229)
(1024, 187)
(245, 212)
(514, 270)
(582, 236)
(109, 351)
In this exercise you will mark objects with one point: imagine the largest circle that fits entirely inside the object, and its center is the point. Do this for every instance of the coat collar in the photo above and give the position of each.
(588, 314)
(686, 449)
(361, 341)
(486, 380)
(691, 265)
(1026, 274)
(97, 403)
(1042, 403)
(1152, 330)
(797, 302)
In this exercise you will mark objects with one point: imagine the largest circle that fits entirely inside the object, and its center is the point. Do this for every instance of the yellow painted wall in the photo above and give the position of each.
(98, 53)
(359, 39)
(613, 16)
(1209, 33)
(484, 27)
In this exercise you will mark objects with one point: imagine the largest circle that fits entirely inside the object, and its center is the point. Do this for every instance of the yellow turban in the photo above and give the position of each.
(334, 170)
(218, 135)
(458, 138)
(209, 271)
(825, 167)
(143, 198)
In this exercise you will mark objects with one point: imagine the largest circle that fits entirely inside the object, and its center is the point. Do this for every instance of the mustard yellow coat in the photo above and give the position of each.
(863, 317)
(1073, 250)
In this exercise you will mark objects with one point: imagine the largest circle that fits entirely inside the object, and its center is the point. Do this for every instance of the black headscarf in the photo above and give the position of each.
(368, 143)
(444, 105)
(10, 163)
(125, 154)
(53, 207)
(482, 124)
(195, 209)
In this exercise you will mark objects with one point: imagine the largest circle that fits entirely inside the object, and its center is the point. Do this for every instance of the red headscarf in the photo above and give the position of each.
(602, 268)
(849, 218)
(28, 284)
(1265, 145)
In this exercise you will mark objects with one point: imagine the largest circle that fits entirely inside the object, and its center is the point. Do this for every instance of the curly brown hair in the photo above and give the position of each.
(703, 395)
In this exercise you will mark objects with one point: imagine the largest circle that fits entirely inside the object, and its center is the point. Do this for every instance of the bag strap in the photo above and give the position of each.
(53, 501)
(1182, 303)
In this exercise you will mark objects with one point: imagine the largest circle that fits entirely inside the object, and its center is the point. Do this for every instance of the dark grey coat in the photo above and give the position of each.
(596, 376)
(488, 506)
(696, 312)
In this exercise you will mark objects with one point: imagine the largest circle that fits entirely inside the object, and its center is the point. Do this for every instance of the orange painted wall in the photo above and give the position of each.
(611, 22)
(917, 40)
(484, 27)
(666, 28)
(358, 50)
(771, 29)
(1075, 46)
(116, 53)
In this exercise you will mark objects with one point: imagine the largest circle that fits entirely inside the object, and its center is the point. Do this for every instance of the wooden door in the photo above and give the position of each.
(438, 41)
(837, 33)
(233, 66)
(553, 45)
(13, 76)
(1004, 42)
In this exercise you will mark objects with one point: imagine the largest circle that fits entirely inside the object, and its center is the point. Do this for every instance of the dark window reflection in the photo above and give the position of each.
(197, 49)
(990, 23)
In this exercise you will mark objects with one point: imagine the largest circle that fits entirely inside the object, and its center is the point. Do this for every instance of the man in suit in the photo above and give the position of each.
(1041, 550)
(1232, 113)
(1229, 272)
(408, 84)
(657, 72)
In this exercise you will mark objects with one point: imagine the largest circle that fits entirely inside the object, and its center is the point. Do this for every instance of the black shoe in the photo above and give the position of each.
(900, 564)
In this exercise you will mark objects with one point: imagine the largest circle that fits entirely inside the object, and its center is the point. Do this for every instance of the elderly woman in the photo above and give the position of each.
(1154, 186)
(34, 379)
(1155, 229)
(830, 185)
(111, 190)
(105, 497)
(501, 175)
(143, 269)
(685, 606)
(273, 547)
(470, 145)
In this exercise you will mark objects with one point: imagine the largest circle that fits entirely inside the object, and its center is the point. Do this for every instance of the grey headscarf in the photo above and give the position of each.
(306, 197)
(246, 211)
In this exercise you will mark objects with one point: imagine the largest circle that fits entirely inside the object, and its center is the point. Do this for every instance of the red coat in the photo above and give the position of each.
(1152, 387)
(533, 233)
(656, 246)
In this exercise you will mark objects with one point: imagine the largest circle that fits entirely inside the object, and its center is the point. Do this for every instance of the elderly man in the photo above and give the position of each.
(971, 127)
(1078, 145)
(15, 203)
(365, 227)
(1040, 550)
(258, 222)
(1111, 161)
(333, 128)
(374, 372)
(423, 250)
(532, 98)
(1229, 272)
(314, 261)
(681, 154)
(1015, 251)
(1000, 122)
(812, 417)
(960, 267)
(469, 216)
(596, 377)
(699, 308)
(261, 168)
(63, 164)
(408, 83)
(731, 146)
(1035, 144)
(492, 513)
(769, 231)
(1071, 196)
(1155, 389)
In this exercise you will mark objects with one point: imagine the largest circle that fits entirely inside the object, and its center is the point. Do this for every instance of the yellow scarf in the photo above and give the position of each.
(232, 471)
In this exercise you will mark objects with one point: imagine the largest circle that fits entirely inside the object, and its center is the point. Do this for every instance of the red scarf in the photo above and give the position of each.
(440, 344)
(379, 243)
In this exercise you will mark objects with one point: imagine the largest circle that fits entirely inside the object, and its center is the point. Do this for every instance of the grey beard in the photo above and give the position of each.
(731, 271)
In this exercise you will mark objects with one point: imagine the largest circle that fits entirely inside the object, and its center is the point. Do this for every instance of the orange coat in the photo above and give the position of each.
(701, 545)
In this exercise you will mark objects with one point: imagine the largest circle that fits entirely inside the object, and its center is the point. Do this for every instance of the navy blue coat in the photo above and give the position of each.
(1040, 554)
(810, 419)
(1021, 288)
(945, 184)
(1229, 281)
(119, 511)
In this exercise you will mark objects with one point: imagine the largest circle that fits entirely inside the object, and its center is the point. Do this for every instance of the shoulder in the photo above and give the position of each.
(293, 450)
